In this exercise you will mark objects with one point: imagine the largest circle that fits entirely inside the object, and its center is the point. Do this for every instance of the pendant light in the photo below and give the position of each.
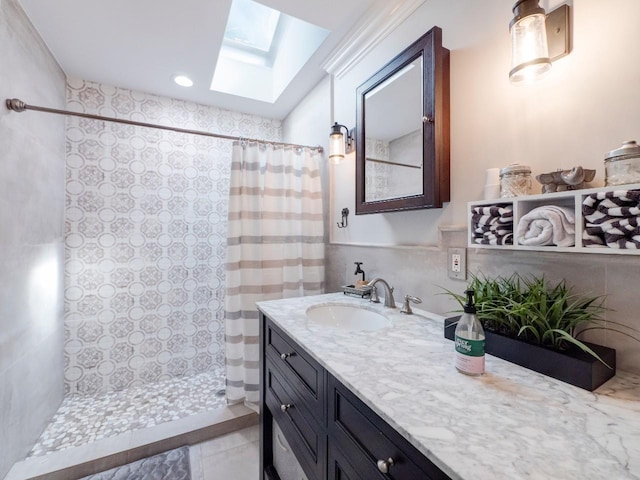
(537, 39)
(529, 49)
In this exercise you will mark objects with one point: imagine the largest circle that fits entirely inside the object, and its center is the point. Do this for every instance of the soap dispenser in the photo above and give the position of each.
(469, 340)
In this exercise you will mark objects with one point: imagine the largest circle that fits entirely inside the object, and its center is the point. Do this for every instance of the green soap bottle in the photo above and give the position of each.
(469, 340)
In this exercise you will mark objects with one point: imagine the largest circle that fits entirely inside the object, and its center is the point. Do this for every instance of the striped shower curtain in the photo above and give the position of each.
(275, 248)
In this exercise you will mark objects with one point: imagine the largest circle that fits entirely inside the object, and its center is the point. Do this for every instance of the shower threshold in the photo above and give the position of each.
(104, 454)
(94, 433)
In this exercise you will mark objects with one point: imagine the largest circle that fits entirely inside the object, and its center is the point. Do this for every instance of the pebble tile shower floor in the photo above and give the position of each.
(82, 420)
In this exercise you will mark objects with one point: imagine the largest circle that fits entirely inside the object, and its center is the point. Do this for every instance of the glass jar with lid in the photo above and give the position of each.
(515, 180)
(622, 166)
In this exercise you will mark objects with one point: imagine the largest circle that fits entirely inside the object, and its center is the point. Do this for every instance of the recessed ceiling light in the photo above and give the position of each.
(183, 80)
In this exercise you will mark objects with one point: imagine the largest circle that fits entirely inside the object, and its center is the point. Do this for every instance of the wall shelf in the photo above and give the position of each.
(524, 204)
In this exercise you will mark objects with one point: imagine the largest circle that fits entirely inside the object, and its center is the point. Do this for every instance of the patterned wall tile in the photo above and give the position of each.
(377, 174)
(145, 237)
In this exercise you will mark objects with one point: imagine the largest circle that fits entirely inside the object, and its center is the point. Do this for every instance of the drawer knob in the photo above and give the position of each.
(284, 356)
(284, 408)
(384, 465)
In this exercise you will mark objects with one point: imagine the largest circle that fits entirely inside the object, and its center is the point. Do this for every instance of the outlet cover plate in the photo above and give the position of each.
(457, 263)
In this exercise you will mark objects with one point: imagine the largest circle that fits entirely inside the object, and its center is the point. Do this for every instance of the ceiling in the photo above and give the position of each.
(142, 44)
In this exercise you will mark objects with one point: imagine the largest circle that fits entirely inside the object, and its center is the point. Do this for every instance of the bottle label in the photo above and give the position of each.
(470, 355)
(472, 348)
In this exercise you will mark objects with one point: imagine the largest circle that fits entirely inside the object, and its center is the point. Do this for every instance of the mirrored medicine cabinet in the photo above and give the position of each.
(402, 131)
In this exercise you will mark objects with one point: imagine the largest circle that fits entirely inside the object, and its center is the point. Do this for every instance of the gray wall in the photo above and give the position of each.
(31, 238)
(421, 271)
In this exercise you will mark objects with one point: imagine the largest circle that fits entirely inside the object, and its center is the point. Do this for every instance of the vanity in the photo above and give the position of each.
(333, 434)
(379, 398)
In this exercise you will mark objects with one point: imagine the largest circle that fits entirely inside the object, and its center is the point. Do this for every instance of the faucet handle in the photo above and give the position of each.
(406, 306)
(374, 295)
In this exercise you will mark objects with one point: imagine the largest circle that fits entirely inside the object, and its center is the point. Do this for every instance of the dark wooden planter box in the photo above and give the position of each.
(575, 367)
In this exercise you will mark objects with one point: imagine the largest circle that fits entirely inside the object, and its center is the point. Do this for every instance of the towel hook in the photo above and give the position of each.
(344, 223)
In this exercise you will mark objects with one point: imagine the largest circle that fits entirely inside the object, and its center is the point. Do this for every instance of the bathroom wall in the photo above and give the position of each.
(31, 238)
(586, 106)
(145, 237)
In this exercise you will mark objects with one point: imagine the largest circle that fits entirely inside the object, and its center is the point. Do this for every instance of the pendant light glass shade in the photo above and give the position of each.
(529, 49)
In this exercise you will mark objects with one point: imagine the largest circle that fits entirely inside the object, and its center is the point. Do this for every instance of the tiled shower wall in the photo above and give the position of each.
(145, 237)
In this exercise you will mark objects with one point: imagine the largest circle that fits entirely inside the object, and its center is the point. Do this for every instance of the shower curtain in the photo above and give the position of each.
(275, 248)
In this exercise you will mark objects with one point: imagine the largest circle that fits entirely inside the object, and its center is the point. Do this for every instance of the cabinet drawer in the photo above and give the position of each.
(362, 434)
(301, 371)
(307, 439)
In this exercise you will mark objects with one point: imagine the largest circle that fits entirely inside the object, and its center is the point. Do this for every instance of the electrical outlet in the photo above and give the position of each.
(457, 263)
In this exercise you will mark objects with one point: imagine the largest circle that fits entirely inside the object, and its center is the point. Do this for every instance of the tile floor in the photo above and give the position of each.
(234, 456)
(82, 420)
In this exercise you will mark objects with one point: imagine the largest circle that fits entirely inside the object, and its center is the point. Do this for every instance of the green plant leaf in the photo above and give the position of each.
(530, 329)
(608, 329)
(581, 346)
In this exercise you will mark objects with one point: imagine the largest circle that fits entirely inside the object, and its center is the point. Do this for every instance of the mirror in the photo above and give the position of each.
(393, 143)
(402, 131)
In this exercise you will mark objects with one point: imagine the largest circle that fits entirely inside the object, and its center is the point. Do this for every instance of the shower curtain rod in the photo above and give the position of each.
(18, 105)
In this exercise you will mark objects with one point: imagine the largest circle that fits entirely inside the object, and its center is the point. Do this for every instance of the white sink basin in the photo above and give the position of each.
(347, 317)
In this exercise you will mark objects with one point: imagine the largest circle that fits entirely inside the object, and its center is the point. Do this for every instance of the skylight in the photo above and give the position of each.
(263, 50)
(251, 25)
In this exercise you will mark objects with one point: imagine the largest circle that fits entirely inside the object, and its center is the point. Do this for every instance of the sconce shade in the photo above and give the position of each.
(339, 145)
(336, 144)
(529, 49)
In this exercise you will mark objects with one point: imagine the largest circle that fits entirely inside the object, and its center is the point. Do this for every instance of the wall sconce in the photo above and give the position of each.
(338, 144)
(537, 39)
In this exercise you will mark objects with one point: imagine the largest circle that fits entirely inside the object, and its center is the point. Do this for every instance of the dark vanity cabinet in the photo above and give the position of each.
(332, 433)
(293, 393)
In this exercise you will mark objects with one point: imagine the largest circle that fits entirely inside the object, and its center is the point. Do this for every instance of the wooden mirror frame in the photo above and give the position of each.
(435, 126)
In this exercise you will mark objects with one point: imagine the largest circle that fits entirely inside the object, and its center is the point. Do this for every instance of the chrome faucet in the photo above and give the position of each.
(388, 293)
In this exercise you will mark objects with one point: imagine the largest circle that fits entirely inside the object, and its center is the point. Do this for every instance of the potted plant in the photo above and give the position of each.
(537, 325)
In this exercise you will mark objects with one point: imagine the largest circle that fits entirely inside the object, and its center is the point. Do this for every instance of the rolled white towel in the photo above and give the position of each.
(548, 225)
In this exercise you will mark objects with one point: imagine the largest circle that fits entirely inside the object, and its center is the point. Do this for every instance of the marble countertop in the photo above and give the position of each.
(509, 423)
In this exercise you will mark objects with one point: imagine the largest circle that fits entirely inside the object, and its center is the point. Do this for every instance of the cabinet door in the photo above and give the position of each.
(284, 459)
(368, 440)
(307, 439)
(341, 467)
